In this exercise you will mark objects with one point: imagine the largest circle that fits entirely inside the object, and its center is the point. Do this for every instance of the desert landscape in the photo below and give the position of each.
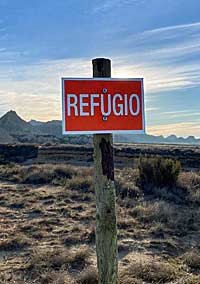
(47, 209)
(100, 142)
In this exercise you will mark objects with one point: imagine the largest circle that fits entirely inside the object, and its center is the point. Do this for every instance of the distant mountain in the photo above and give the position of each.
(145, 138)
(53, 128)
(35, 122)
(14, 124)
(5, 137)
(13, 129)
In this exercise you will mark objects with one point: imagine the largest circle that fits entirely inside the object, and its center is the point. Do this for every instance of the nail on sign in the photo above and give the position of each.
(102, 105)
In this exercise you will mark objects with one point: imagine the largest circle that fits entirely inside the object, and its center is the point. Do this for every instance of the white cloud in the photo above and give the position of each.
(35, 90)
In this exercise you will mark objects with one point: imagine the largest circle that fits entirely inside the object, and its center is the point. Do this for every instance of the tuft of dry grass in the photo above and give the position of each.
(37, 174)
(47, 277)
(125, 183)
(148, 268)
(55, 277)
(59, 258)
(18, 242)
(192, 259)
(88, 276)
(191, 181)
(80, 183)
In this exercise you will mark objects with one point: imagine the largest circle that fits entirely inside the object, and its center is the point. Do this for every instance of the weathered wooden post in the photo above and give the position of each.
(106, 225)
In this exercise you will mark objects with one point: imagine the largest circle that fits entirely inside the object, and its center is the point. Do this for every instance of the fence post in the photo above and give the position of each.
(106, 224)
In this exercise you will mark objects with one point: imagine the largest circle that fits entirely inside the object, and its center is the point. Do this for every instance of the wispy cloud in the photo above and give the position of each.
(173, 34)
(159, 78)
(181, 129)
(181, 113)
(108, 4)
(170, 32)
(168, 57)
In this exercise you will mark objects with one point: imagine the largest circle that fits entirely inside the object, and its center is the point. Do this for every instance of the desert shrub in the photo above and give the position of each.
(157, 171)
(83, 184)
(192, 259)
(125, 183)
(45, 174)
(191, 182)
(37, 174)
(195, 180)
(9, 172)
(88, 276)
(63, 172)
(126, 189)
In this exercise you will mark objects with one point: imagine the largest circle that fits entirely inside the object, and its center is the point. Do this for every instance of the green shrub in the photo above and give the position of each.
(159, 172)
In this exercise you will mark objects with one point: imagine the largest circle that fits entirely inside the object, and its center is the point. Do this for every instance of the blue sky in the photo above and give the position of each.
(42, 41)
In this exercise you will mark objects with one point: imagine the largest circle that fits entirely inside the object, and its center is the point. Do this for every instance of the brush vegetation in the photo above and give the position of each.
(159, 172)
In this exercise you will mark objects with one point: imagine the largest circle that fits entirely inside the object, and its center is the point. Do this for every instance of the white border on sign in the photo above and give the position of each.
(102, 131)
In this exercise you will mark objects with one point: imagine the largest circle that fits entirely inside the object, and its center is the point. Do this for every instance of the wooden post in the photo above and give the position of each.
(106, 225)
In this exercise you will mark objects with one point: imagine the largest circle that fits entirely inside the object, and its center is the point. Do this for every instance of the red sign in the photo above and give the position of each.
(102, 105)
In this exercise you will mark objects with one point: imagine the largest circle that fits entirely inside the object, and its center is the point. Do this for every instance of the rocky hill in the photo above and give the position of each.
(53, 128)
(14, 124)
(13, 129)
(5, 137)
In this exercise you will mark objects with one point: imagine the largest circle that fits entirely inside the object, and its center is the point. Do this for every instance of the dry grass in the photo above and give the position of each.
(149, 269)
(59, 258)
(18, 242)
(47, 230)
(191, 181)
(174, 217)
(37, 174)
(88, 276)
(192, 259)
(81, 183)
(187, 280)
